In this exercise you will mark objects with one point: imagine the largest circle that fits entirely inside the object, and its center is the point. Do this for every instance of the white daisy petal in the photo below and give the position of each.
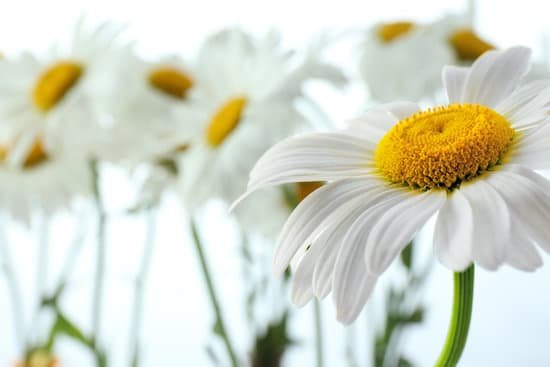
(521, 254)
(317, 208)
(396, 227)
(401, 109)
(525, 196)
(312, 157)
(376, 121)
(346, 313)
(528, 105)
(533, 150)
(454, 79)
(495, 74)
(453, 232)
(491, 224)
(332, 239)
(301, 290)
(350, 268)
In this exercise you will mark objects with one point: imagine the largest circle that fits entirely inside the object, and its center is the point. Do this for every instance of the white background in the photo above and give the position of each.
(511, 317)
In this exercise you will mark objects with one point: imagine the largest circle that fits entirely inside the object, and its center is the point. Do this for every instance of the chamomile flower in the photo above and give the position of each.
(144, 104)
(472, 163)
(244, 101)
(48, 178)
(404, 59)
(39, 95)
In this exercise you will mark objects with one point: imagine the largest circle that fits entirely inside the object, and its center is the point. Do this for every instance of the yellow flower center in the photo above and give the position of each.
(36, 155)
(467, 45)
(441, 147)
(225, 120)
(303, 189)
(389, 32)
(39, 358)
(171, 81)
(54, 83)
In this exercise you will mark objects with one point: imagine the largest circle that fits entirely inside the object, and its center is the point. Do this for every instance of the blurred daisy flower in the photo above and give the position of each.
(41, 96)
(47, 116)
(404, 59)
(243, 102)
(472, 163)
(143, 106)
(39, 358)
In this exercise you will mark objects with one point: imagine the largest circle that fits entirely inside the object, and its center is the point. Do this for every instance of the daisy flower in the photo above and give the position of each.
(47, 110)
(427, 48)
(40, 96)
(39, 358)
(144, 109)
(244, 101)
(471, 163)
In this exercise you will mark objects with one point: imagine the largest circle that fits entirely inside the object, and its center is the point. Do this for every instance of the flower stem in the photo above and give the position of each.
(100, 257)
(318, 334)
(460, 321)
(140, 283)
(220, 327)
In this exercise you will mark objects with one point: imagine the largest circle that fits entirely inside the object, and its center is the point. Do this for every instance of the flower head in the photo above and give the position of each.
(472, 163)
(244, 100)
(403, 59)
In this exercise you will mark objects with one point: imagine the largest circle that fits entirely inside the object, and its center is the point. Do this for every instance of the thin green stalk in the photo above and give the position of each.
(318, 334)
(220, 327)
(141, 279)
(14, 287)
(100, 257)
(460, 321)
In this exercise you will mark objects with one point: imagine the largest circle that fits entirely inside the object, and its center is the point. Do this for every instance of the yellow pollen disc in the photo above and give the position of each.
(36, 155)
(54, 83)
(225, 121)
(171, 81)
(442, 147)
(467, 45)
(303, 189)
(389, 32)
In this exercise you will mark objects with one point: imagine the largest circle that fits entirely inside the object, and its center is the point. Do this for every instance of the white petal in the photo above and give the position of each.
(528, 105)
(350, 268)
(454, 79)
(347, 312)
(453, 232)
(402, 109)
(332, 240)
(301, 291)
(533, 149)
(525, 197)
(311, 157)
(491, 224)
(522, 255)
(396, 227)
(495, 74)
(376, 122)
(321, 206)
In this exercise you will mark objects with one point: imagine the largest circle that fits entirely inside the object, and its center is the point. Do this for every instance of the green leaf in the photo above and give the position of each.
(65, 327)
(407, 256)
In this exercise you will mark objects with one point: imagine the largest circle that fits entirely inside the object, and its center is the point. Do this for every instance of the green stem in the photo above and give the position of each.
(100, 261)
(140, 282)
(460, 321)
(318, 334)
(212, 294)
